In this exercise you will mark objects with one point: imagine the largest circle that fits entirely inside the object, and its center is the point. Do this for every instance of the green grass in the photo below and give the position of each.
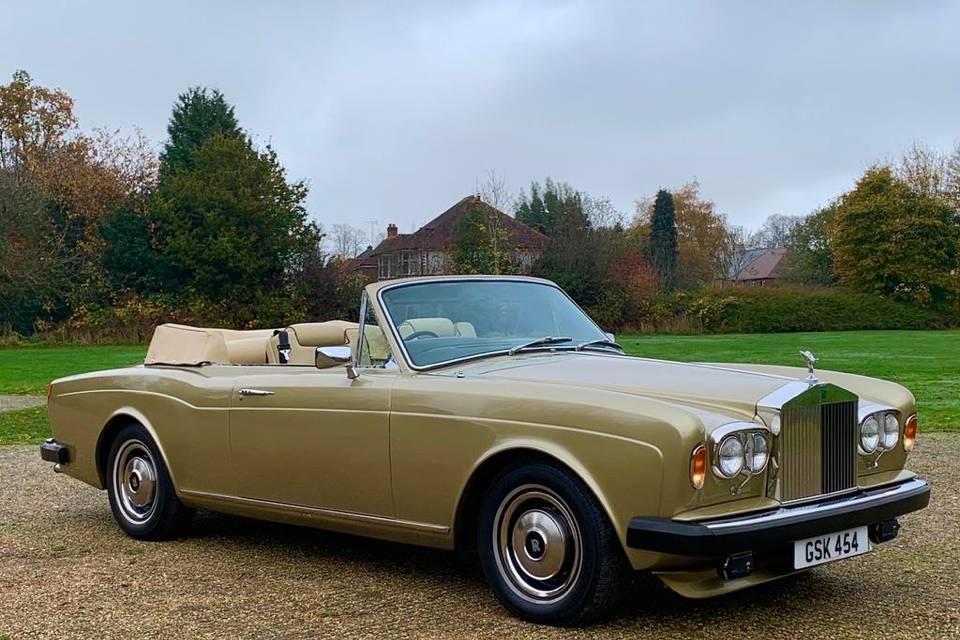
(29, 370)
(926, 362)
(27, 426)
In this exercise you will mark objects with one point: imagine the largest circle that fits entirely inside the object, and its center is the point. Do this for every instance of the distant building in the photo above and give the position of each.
(758, 267)
(428, 250)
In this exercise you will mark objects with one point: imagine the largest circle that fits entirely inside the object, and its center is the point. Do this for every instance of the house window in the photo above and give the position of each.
(409, 262)
(384, 265)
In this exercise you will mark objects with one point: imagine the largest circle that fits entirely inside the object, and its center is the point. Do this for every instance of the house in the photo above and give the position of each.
(429, 249)
(758, 267)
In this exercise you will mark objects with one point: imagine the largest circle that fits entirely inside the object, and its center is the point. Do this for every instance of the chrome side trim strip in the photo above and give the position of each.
(326, 513)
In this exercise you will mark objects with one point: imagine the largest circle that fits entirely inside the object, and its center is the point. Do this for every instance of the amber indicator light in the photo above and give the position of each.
(910, 433)
(698, 467)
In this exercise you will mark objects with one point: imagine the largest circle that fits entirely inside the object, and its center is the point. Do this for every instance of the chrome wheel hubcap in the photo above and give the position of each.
(537, 542)
(135, 481)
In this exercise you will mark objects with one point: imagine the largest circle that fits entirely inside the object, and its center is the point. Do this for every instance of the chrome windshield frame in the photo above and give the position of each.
(499, 352)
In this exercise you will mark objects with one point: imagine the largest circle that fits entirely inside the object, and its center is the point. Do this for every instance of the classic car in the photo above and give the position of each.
(491, 415)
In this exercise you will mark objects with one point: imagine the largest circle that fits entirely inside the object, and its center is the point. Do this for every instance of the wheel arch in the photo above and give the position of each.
(119, 419)
(466, 519)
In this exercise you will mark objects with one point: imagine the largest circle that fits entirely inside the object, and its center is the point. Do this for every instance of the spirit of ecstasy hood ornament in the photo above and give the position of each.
(811, 360)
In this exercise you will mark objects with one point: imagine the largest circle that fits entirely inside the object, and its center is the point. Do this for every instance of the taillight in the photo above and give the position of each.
(910, 433)
(698, 467)
(49, 391)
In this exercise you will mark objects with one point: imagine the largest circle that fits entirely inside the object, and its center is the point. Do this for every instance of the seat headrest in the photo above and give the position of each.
(247, 350)
(443, 327)
(321, 334)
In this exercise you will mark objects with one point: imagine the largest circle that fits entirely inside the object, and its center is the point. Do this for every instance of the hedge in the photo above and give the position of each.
(785, 309)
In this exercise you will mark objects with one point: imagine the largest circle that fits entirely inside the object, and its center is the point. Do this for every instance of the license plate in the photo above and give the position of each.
(830, 547)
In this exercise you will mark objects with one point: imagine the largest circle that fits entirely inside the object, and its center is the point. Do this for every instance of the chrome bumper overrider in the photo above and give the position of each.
(771, 529)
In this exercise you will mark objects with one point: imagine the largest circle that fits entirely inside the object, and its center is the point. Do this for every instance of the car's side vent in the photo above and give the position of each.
(818, 450)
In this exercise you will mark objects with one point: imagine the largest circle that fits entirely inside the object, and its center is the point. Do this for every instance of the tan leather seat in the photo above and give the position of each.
(465, 329)
(442, 327)
(305, 337)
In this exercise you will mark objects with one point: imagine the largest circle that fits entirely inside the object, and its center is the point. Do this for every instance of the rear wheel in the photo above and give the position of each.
(547, 547)
(141, 493)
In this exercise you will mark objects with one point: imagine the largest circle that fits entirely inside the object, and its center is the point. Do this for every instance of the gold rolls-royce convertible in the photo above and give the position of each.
(491, 414)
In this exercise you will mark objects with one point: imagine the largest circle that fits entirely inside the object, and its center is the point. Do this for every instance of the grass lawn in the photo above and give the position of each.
(27, 426)
(28, 370)
(927, 362)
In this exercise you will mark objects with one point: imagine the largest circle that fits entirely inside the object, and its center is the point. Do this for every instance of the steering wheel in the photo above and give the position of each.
(416, 335)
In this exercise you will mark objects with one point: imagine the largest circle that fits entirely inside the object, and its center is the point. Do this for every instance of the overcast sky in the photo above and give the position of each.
(392, 114)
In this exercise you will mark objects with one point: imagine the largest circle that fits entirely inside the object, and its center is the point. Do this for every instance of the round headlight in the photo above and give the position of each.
(891, 430)
(869, 434)
(730, 456)
(756, 453)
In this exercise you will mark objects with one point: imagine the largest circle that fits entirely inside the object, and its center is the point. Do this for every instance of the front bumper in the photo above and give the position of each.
(771, 529)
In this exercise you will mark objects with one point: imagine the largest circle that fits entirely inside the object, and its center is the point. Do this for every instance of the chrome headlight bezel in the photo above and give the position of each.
(747, 436)
(882, 424)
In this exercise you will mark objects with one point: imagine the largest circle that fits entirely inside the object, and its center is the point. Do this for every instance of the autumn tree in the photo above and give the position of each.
(80, 177)
(702, 243)
(888, 238)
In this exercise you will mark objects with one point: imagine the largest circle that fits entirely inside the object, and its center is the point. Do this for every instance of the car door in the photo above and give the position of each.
(312, 437)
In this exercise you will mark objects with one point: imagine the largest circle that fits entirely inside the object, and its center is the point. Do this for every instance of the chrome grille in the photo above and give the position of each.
(817, 449)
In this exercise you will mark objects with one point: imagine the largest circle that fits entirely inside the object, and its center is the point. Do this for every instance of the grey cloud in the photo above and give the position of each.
(393, 113)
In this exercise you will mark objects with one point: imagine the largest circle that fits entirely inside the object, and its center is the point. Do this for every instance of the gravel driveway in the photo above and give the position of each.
(66, 571)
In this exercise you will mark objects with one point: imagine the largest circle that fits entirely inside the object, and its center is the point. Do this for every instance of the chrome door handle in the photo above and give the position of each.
(254, 392)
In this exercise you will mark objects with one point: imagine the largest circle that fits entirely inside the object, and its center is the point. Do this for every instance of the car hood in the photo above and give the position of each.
(712, 387)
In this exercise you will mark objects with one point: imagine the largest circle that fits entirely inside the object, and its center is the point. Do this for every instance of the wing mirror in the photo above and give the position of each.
(610, 336)
(331, 356)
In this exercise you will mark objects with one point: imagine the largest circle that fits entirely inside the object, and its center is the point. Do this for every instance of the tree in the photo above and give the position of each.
(924, 170)
(702, 243)
(809, 255)
(80, 178)
(477, 240)
(495, 192)
(348, 241)
(34, 261)
(774, 232)
(34, 121)
(890, 239)
(663, 240)
(198, 115)
(551, 206)
(231, 230)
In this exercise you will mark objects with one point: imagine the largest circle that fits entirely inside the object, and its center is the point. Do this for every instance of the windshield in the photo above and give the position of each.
(444, 321)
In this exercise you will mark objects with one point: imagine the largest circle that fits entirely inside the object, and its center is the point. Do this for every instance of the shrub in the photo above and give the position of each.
(785, 309)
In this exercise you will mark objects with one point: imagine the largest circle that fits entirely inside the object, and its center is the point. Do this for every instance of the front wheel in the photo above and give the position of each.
(547, 547)
(141, 493)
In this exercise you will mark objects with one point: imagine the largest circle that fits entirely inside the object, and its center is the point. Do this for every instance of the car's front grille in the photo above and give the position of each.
(817, 450)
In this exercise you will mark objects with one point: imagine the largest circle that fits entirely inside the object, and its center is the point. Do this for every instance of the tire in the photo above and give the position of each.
(142, 497)
(548, 549)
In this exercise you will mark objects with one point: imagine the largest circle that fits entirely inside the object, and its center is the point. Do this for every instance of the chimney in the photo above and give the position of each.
(391, 230)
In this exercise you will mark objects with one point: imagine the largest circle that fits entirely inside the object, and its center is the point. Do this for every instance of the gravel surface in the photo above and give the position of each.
(67, 571)
(14, 403)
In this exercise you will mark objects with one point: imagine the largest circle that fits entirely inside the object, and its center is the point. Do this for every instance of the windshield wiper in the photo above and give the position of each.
(598, 343)
(538, 342)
